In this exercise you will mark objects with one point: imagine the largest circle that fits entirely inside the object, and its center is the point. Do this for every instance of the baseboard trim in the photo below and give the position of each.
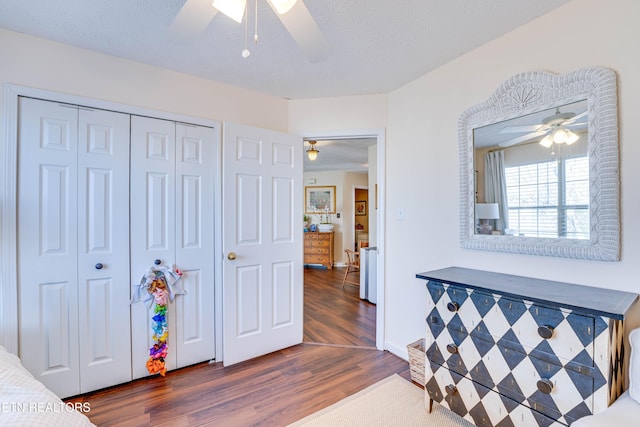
(401, 352)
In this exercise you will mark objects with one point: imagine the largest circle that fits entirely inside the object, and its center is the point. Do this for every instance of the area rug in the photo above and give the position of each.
(392, 401)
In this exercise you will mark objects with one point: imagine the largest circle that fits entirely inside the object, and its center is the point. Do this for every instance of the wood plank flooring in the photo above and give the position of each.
(336, 315)
(335, 361)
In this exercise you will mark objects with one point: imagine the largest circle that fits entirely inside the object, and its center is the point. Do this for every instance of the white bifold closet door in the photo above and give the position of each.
(73, 256)
(172, 217)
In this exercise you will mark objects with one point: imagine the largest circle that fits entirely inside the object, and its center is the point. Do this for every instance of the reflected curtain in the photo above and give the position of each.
(495, 186)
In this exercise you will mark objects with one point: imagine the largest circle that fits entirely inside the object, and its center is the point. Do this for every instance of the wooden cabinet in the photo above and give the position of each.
(511, 350)
(318, 248)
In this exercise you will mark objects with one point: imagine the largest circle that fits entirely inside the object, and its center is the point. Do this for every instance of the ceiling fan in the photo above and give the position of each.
(195, 16)
(556, 128)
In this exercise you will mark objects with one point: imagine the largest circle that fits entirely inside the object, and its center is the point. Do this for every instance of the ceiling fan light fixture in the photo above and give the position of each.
(560, 136)
(547, 141)
(312, 152)
(571, 137)
(234, 9)
(282, 6)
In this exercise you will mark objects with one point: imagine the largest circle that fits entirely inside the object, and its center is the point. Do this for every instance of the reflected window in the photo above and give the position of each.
(549, 198)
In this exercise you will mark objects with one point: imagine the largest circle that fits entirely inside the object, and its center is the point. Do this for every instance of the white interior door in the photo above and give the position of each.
(48, 249)
(172, 204)
(262, 240)
(103, 249)
(153, 231)
(73, 209)
(195, 335)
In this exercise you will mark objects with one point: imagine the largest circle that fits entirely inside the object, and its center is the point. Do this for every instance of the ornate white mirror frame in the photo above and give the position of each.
(532, 92)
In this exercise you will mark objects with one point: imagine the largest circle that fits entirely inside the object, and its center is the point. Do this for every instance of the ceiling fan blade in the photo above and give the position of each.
(523, 138)
(304, 30)
(576, 118)
(577, 125)
(191, 21)
(521, 129)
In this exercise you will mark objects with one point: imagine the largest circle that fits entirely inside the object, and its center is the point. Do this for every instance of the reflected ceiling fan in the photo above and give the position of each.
(195, 16)
(556, 128)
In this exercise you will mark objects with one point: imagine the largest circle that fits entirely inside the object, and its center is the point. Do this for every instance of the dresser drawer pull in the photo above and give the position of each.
(545, 331)
(451, 389)
(453, 307)
(545, 386)
(452, 348)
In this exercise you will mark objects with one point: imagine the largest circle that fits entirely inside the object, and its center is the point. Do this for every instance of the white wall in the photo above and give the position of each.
(39, 63)
(422, 138)
(422, 155)
(421, 121)
(336, 114)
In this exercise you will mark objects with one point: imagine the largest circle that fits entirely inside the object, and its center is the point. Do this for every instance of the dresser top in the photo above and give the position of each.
(597, 301)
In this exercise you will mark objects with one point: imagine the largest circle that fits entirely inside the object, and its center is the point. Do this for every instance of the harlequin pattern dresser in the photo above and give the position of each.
(506, 350)
(318, 248)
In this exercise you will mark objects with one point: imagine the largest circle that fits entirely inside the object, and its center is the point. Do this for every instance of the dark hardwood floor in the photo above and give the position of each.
(336, 315)
(337, 359)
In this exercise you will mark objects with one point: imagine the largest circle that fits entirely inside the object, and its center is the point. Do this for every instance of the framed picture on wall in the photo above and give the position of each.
(320, 199)
(361, 208)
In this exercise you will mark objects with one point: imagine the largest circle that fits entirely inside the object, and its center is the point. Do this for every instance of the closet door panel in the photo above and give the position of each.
(103, 248)
(47, 253)
(159, 228)
(194, 243)
(152, 225)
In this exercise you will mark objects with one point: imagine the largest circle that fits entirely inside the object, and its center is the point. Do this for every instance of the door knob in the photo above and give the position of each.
(99, 266)
(453, 307)
(157, 262)
(231, 256)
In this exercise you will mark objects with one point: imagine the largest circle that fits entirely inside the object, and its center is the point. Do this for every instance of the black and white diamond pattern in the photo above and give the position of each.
(480, 405)
(496, 357)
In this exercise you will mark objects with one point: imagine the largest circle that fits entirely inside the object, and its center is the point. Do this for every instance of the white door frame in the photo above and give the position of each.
(9, 204)
(379, 134)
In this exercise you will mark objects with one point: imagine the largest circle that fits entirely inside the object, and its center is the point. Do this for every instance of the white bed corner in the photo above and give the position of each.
(26, 401)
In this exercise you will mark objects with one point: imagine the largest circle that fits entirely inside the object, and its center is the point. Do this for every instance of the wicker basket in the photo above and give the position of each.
(416, 360)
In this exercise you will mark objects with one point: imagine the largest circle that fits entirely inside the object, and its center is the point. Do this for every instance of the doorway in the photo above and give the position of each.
(360, 218)
(345, 217)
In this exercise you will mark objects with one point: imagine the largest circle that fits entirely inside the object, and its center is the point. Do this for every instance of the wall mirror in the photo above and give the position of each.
(539, 167)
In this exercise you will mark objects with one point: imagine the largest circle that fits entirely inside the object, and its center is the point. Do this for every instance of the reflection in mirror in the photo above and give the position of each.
(539, 167)
(533, 172)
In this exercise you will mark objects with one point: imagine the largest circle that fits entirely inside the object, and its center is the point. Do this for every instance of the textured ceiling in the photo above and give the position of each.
(347, 155)
(376, 45)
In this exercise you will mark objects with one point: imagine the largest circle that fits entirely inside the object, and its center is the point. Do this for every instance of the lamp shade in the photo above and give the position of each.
(487, 211)
(234, 9)
(547, 141)
(312, 152)
(559, 136)
(283, 6)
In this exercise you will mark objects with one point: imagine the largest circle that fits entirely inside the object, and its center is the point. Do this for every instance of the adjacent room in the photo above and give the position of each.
(299, 212)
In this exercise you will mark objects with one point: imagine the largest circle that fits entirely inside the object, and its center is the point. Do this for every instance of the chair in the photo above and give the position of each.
(353, 266)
